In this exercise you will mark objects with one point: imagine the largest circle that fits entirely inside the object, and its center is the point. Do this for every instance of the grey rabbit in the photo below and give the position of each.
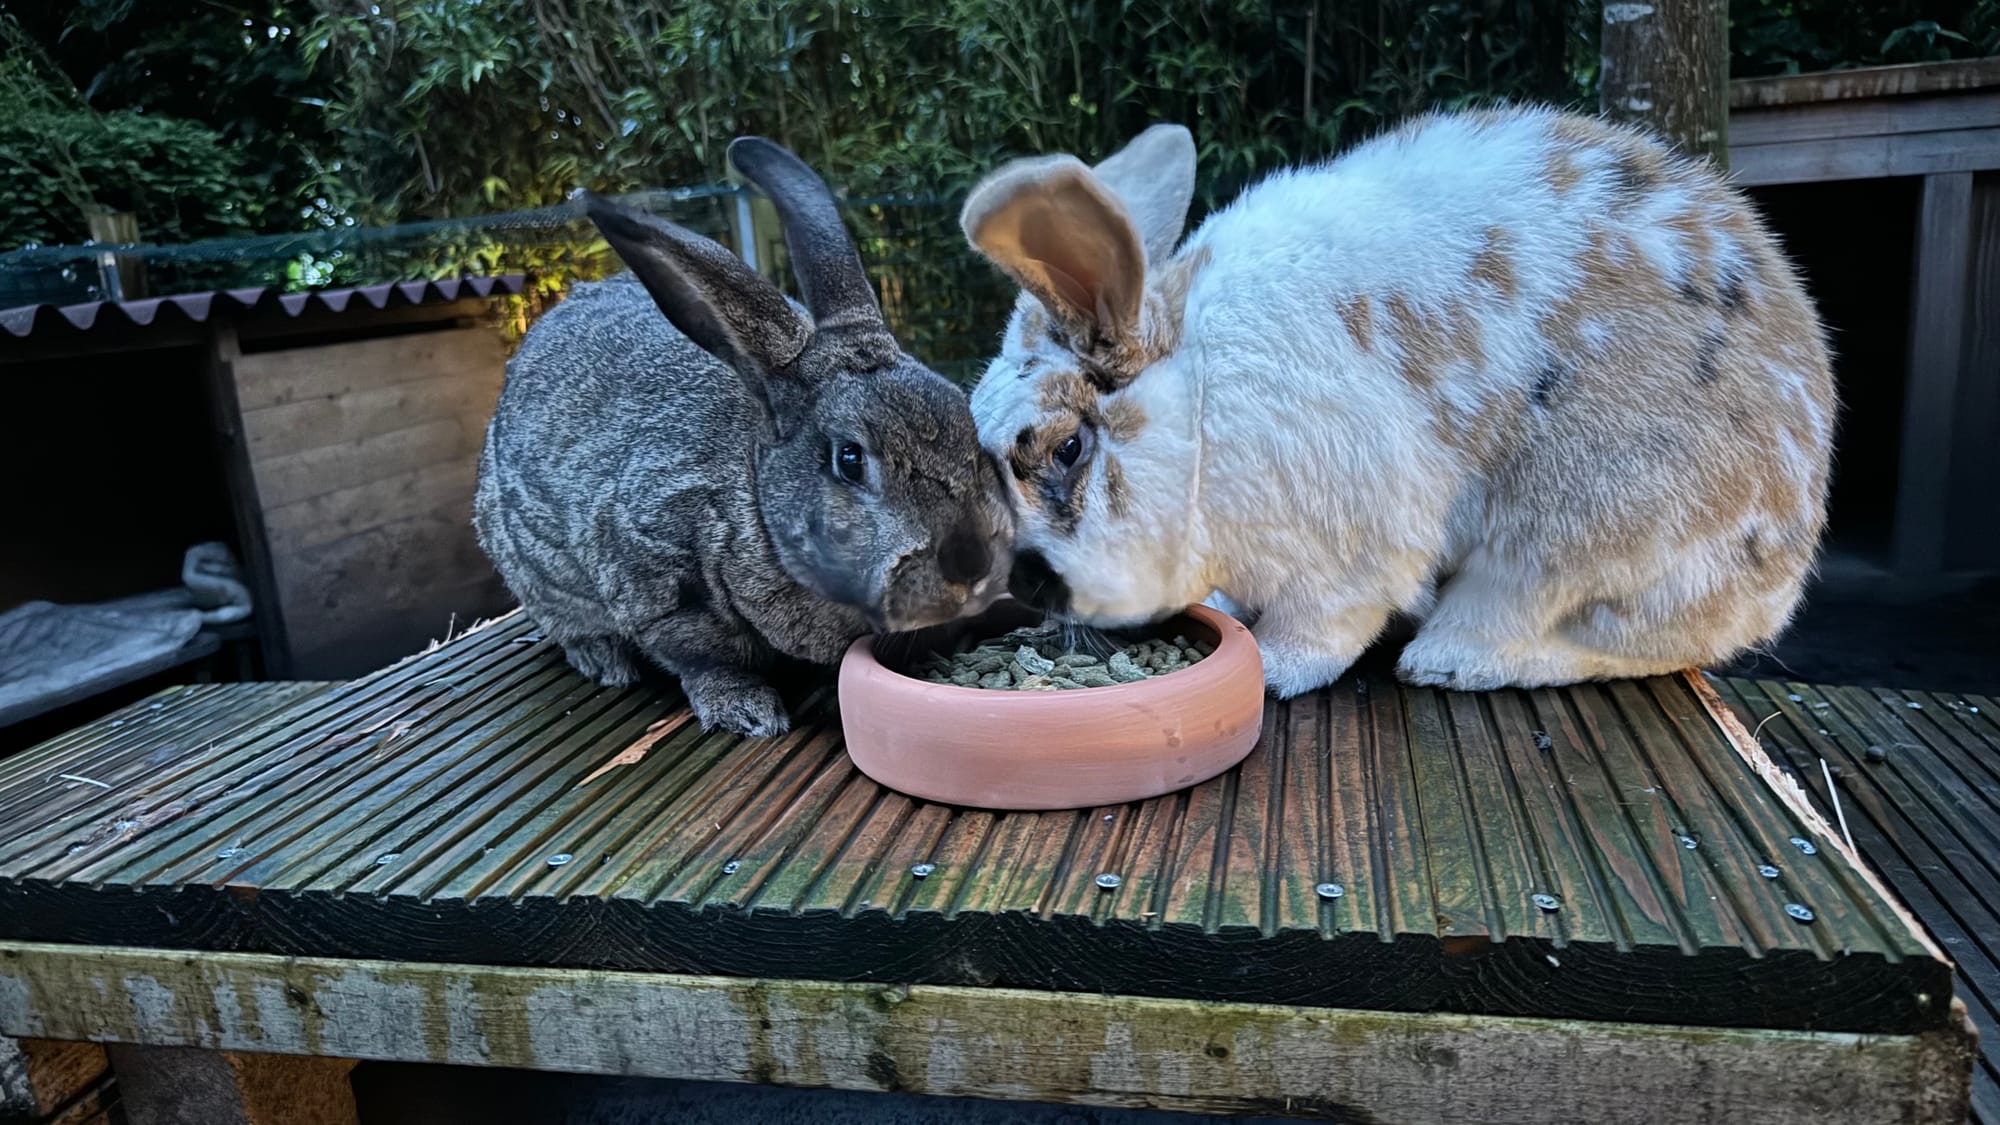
(744, 479)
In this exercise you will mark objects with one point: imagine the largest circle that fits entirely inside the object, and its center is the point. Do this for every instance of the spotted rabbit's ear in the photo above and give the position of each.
(1153, 176)
(708, 293)
(1065, 237)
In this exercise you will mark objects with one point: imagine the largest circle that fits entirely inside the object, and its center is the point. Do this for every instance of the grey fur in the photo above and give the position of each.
(668, 491)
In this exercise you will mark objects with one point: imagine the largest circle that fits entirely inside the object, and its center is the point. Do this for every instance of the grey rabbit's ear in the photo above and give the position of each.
(831, 279)
(707, 292)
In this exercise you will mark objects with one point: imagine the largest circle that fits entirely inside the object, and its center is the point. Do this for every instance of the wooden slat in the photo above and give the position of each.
(323, 374)
(1867, 82)
(1327, 1064)
(1854, 119)
(1924, 809)
(446, 810)
(1865, 158)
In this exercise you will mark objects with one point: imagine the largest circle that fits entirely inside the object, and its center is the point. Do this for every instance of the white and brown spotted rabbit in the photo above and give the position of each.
(1525, 376)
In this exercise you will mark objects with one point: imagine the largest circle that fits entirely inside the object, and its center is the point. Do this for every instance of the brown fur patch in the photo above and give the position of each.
(1068, 393)
(1358, 314)
(1562, 172)
(1116, 493)
(1578, 130)
(1431, 343)
(1123, 419)
(1493, 266)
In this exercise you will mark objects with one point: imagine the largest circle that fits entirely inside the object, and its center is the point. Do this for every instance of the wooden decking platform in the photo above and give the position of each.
(1918, 779)
(1602, 853)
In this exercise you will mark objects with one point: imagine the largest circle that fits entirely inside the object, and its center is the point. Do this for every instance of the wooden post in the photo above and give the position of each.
(1666, 66)
(219, 369)
(189, 1086)
(1943, 260)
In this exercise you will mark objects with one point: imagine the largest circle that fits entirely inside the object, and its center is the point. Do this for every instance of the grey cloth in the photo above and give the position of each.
(52, 655)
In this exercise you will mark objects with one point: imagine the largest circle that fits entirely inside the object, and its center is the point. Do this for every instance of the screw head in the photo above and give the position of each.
(1329, 890)
(387, 858)
(1799, 912)
(1767, 870)
(1543, 741)
(1690, 843)
(922, 869)
(1805, 845)
(558, 859)
(1876, 754)
(730, 867)
(1547, 902)
(1108, 881)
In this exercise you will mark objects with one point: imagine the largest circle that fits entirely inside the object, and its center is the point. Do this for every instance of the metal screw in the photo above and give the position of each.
(730, 867)
(1876, 754)
(558, 859)
(922, 869)
(1768, 871)
(387, 858)
(1543, 741)
(1801, 913)
(1915, 706)
(1108, 881)
(1547, 902)
(1329, 890)
(1690, 843)
(1804, 845)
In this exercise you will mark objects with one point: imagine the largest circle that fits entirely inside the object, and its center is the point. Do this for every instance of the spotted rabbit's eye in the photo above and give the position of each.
(1070, 449)
(850, 462)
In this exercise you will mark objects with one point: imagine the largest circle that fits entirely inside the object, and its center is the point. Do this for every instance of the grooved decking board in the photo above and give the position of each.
(1926, 815)
(438, 811)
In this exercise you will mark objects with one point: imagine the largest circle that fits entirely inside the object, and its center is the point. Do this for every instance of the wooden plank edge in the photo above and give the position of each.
(1117, 1051)
(1902, 80)
(1795, 798)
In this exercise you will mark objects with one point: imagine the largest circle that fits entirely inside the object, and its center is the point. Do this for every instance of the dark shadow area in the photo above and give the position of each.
(412, 1094)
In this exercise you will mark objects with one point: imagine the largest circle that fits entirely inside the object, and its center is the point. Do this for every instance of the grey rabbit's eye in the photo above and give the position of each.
(1071, 449)
(850, 462)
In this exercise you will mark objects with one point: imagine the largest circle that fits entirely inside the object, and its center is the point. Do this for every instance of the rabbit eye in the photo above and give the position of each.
(850, 462)
(1067, 453)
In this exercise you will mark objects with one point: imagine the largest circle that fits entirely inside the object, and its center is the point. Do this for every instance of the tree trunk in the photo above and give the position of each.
(1666, 66)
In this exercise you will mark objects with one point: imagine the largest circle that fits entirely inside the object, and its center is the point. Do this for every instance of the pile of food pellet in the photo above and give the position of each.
(1036, 659)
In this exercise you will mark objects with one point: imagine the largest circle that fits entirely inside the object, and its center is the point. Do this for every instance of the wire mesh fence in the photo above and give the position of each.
(945, 304)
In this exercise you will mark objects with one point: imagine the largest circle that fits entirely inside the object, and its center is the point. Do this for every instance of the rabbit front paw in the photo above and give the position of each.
(1291, 671)
(738, 702)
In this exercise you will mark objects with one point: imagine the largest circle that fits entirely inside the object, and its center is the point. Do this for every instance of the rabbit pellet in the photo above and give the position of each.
(1035, 659)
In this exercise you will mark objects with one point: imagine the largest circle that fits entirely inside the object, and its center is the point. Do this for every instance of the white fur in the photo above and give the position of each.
(1303, 476)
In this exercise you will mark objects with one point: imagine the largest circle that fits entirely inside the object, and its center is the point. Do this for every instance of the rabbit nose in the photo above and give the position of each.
(963, 558)
(1036, 583)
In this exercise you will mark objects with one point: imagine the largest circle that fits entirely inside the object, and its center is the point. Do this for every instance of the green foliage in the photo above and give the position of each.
(61, 160)
(1768, 37)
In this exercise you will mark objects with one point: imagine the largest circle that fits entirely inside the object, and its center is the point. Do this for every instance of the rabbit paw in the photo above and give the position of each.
(1437, 661)
(1291, 671)
(604, 660)
(736, 702)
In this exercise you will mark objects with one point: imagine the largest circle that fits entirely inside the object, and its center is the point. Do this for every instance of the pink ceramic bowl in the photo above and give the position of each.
(1060, 749)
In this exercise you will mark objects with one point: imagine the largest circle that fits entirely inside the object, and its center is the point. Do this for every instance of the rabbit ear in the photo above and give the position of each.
(708, 293)
(1065, 238)
(831, 279)
(1153, 176)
